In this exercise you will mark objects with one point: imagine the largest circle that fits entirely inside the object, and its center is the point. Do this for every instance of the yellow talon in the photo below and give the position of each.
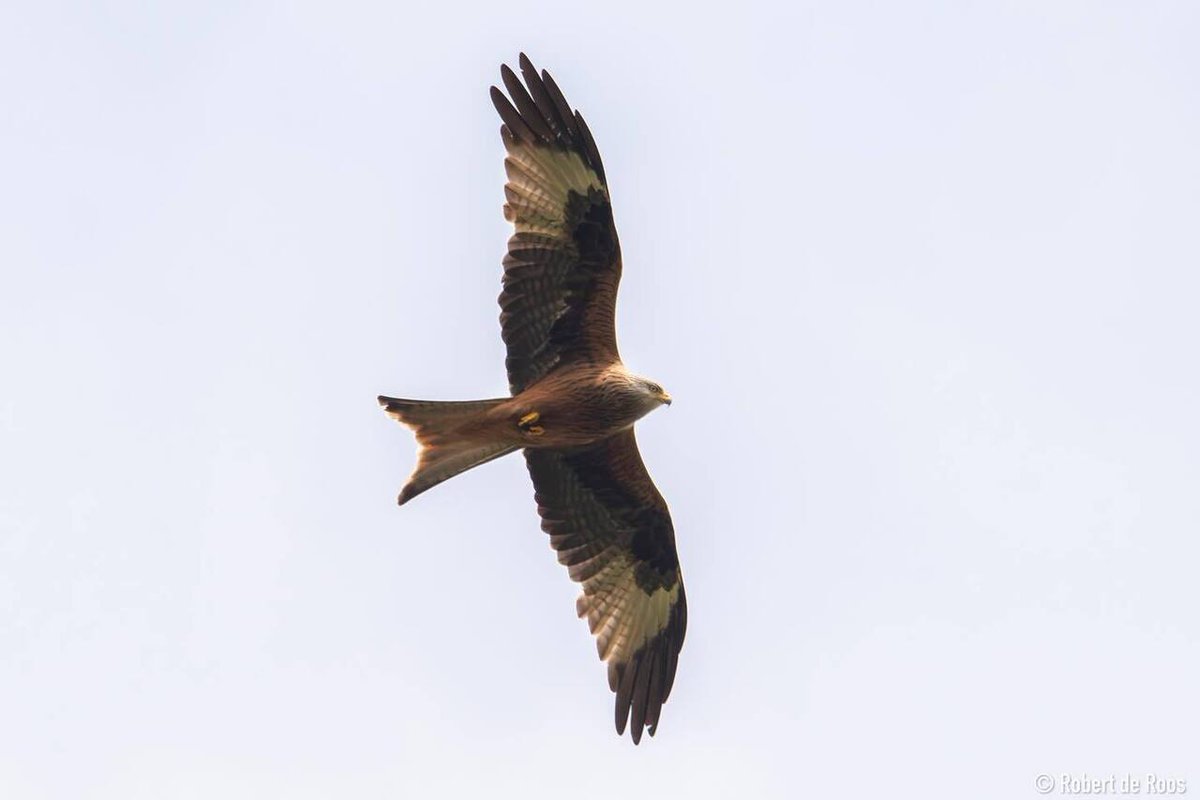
(526, 424)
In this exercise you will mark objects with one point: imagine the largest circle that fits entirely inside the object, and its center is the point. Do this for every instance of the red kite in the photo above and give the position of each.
(573, 403)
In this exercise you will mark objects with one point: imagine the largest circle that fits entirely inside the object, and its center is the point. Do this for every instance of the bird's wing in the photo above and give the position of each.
(564, 262)
(612, 530)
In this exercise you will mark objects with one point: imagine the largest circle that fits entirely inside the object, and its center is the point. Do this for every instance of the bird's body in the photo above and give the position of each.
(582, 404)
(573, 403)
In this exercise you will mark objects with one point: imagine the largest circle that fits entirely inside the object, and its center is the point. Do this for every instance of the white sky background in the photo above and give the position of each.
(922, 278)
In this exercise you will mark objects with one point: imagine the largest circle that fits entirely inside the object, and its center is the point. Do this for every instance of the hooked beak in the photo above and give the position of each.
(665, 398)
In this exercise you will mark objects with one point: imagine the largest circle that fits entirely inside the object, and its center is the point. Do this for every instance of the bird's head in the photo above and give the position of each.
(655, 392)
(637, 394)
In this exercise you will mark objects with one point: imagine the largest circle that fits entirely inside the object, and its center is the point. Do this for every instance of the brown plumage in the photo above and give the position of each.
(573, 403)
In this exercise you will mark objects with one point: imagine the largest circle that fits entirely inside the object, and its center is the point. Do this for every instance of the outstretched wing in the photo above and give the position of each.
(564, 262)
(612, 530)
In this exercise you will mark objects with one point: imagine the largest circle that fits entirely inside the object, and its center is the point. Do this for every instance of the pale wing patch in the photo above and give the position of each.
(620, 613)
(540, 182)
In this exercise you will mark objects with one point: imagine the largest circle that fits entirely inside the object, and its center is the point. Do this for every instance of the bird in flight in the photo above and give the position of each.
(573, 403)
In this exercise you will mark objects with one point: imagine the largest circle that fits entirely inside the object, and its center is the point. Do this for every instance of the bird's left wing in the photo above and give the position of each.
(613, 532)
(564, 262)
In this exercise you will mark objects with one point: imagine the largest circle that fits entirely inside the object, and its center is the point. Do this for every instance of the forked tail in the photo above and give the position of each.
(452, 437)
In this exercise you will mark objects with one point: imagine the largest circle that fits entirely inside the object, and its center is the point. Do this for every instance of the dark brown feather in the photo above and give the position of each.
(564, 113)
(589, 145)
(525, 105)
(544, 104)
(517, 126)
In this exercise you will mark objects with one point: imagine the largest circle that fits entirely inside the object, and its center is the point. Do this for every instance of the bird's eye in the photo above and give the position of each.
(655, 388)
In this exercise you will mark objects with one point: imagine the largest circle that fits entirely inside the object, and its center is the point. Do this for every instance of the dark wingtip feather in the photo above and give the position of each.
(540, 114)
(637, 708)
(643, 683)
(525, 105)
(623, 696)
(560, 104)
(546, 107)
(590, 151)
(512, 118)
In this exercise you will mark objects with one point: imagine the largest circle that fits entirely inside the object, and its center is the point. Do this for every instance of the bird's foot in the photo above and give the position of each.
(528, 424)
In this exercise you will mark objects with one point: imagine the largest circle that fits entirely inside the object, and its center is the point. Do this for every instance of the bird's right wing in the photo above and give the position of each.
(613, 532)
(564, 261)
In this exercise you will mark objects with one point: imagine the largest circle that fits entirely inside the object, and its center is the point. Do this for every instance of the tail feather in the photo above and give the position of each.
(452, 437)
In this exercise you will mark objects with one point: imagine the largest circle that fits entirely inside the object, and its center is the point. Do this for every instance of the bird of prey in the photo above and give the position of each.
(573, 403)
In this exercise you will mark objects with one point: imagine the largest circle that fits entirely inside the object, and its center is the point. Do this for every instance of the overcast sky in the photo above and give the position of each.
(921, 277)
